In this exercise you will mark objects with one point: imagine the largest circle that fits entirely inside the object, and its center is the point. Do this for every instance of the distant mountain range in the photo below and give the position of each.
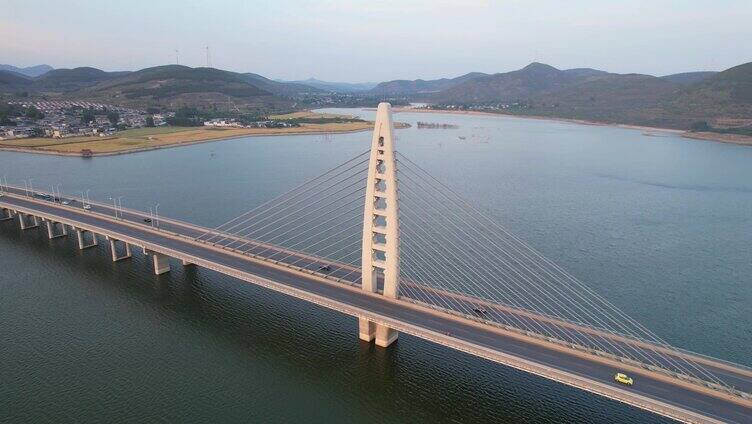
(336, 87)
(31, 71)
(169, 86)
(687, 78)
(421, 87)
(478, 87)
(675, 101)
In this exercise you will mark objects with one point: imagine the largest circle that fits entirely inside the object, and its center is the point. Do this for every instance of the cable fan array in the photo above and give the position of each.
(316, 225)
(455, 258)
(452, 257)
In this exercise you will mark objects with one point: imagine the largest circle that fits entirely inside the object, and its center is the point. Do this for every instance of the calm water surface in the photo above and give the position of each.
(657, 224)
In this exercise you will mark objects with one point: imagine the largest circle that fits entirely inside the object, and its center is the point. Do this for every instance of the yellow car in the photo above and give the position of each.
(623, 379)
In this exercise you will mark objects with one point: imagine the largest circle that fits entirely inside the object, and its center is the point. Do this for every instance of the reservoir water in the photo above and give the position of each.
(658, 224)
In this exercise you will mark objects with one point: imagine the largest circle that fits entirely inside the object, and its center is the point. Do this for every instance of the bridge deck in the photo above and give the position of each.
(652, 392)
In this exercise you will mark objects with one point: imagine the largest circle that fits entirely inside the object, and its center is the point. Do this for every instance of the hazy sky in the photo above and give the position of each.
(379, 39)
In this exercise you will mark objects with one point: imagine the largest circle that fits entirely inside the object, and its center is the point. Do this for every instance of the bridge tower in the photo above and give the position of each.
(381, 253)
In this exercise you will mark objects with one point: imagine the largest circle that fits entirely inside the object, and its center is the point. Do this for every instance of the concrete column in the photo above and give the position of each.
(381, 244)
(366, 330)
(186, 263)
(81, 235)
(113, 250)
(7, 214)
(80, 238)
(161, 263)
(51, 229)
(22, 221)
(385, 335)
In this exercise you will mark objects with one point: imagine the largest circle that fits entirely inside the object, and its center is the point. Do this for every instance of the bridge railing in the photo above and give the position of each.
(591, 351)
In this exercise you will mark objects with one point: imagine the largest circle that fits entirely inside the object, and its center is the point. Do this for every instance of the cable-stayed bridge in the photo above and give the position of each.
(378, 237)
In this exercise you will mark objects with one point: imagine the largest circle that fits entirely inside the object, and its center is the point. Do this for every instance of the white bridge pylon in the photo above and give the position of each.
(381, 253)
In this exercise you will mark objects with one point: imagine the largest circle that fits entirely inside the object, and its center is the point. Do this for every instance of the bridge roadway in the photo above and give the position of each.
(653, 392)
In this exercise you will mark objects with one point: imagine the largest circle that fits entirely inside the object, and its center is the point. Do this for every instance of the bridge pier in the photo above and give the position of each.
(186, 263)
(385, 336)
(366, 330)
(51, 229)
(81, 236)
(369, 331)
(22, 221)
(113, 250)
(7, 214)
(161, 263)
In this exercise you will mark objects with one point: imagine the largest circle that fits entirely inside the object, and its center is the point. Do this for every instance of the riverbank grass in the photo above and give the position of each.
(152, 138)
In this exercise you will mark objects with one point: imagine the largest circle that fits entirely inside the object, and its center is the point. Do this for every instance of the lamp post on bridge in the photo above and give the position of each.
(29, 187)
(117, 204)
(151, 216)
(84, 197)
(156, 215)
(57, 196)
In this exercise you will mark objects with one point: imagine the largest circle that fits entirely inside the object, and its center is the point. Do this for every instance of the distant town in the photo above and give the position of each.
(64, 119)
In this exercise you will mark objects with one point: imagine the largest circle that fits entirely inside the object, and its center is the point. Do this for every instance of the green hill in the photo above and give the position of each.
(64, 80)
(174, 86)
(29, 71)
(506, 87)
(337, 87)
(674, 101)
(613, 98)
(12, 81)
(175, 80)
(170, 86)
(687, 78)
(280, 88)
(731, 88)
(420, 87)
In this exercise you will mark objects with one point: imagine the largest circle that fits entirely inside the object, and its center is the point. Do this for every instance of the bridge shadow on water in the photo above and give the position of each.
(100, 341)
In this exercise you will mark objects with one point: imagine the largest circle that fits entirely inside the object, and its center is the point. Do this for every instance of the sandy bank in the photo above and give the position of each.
(126, 143)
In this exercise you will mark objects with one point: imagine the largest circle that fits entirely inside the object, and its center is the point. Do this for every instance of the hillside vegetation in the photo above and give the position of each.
(673, 101)
(721, 100)
(170, 86)
(29, 71)
(420, 87)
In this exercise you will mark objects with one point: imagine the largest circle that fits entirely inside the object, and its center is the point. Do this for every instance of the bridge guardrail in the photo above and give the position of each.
(594, 352)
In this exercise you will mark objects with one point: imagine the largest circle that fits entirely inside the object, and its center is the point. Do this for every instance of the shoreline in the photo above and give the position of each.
(740, 140)
(169, 146)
